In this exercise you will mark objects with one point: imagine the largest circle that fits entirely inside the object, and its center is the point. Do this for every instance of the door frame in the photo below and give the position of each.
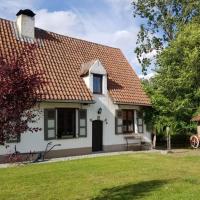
(100, 138)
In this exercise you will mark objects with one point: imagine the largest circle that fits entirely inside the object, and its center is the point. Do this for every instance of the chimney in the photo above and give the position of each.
(26, 23)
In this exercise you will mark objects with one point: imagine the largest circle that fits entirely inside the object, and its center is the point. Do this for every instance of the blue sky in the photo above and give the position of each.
(107, 22)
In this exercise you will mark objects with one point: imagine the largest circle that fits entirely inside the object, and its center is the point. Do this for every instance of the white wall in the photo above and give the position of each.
(35, 141)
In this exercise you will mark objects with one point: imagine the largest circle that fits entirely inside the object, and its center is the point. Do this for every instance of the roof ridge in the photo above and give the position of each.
(76, 38)
(91, 42)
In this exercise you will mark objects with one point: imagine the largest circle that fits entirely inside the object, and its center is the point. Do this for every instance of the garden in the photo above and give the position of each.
(129, 176)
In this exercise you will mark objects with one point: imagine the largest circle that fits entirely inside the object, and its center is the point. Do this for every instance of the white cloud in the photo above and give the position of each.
(63, 22)
(123, 37)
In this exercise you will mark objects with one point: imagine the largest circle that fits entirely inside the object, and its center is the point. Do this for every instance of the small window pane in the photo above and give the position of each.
(82, 132)
(119, 121)
(124, 115)
(140, 129)
(140, 121)
(124, 128)
(51, 133)
(119, 114)
(130, 115)
(82, 122)
(82, 114)
(119, 129)
(51, 123)
(13, 139)
(130, 126)
(51, 114)
(140, 114)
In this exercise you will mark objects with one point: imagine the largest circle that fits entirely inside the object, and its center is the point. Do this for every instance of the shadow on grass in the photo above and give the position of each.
(131, 191)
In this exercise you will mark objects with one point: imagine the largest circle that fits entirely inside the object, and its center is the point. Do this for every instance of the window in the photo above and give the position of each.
(62, 123)
(140, 122)
(13, 139)
(66, 123)
(124, 121)
(82, 123)
(97, 84)
(128, 121)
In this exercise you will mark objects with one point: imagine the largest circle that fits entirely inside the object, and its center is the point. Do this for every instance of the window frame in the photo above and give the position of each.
(127, 120)
(116, 121)
(73, 126)
(76, 128)
(101, 83)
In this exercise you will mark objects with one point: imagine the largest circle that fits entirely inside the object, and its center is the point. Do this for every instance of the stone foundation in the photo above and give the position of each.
(88, 150)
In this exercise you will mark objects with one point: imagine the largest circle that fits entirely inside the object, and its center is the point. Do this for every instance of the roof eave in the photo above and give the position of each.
(69, 101)
(130, 103)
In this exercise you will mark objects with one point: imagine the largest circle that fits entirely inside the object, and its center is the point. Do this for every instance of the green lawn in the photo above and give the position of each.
(124, 177)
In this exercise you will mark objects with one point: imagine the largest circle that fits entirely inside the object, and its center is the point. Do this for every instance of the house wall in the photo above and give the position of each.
(111, 141)
(35, 141)
(83, 145)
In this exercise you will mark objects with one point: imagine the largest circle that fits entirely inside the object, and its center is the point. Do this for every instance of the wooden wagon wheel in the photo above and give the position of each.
(194, 141)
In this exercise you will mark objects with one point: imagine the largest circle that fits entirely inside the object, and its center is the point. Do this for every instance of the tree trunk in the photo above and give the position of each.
(154, 141)
(169, 142)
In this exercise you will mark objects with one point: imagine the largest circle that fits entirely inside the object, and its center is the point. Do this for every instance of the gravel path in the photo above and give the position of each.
(83, 156)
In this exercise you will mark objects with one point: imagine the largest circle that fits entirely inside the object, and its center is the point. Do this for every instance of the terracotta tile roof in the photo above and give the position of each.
(60, 59)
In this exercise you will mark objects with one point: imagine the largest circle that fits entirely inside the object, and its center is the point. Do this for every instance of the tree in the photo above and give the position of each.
(162, 20)
(18, 93)
(175, 89)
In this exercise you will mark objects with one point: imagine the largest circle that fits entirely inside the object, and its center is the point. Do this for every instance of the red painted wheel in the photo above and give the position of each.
(194, 141)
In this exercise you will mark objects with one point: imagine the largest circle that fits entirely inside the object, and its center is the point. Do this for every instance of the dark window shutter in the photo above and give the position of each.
(16, 139)
(82, 123)
(118, 122)
(49, 124)
(140, 122)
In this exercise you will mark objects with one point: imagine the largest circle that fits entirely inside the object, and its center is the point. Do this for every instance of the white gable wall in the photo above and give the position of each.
(97, 68)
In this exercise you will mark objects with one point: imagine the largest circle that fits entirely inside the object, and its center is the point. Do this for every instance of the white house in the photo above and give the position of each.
(93, 98)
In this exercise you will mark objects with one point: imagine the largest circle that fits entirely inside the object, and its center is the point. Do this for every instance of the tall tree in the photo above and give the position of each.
(175, 89)
(18, 93)
(162, 20)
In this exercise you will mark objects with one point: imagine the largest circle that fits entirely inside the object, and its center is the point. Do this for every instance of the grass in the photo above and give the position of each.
(124, 177)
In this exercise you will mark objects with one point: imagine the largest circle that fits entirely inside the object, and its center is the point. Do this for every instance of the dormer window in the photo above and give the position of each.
(94, 76)
(97, 83)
